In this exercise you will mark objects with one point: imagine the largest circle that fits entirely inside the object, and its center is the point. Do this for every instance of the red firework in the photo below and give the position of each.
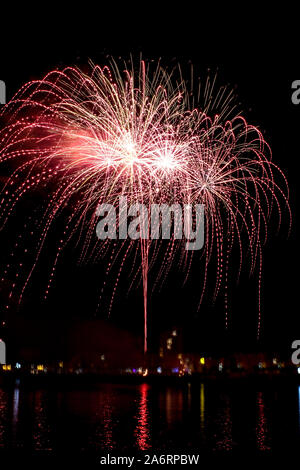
(91, 138)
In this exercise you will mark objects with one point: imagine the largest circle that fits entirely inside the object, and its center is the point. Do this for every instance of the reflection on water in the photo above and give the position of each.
(41, 426)
(224, 425)
(142, 429)
(150, 416)
(3, 417)
(15, 413)
(261, 428)
(102, 434)
(202, 409)
(107, 426)
(16, 406)
(173, 405)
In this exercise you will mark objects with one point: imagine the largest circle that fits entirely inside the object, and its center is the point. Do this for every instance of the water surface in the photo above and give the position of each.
(150, 417)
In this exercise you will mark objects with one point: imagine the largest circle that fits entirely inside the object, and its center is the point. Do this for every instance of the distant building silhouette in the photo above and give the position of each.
(171, 342)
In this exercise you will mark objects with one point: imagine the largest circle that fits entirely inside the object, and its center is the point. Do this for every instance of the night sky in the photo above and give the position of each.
(260, 65)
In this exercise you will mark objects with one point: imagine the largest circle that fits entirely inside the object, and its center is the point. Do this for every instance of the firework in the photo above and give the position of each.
(89, 138)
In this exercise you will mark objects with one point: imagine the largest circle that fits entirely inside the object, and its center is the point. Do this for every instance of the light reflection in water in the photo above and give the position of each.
(224, 426)
(16, 405)
(107, 421)
(15, 417)
(142, 431)
(103, 407)
(202, 409)
(189, 396)
(3, 416)
(116, 417)
(173, 406)
(261, 428)
(41, 428)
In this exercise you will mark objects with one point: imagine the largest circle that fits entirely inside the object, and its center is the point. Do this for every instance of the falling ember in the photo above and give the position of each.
(87, 139)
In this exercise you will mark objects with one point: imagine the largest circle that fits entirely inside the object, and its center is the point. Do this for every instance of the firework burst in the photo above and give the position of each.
(89, 138)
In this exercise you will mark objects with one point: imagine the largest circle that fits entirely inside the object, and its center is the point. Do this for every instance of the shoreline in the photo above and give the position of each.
(92, 380)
